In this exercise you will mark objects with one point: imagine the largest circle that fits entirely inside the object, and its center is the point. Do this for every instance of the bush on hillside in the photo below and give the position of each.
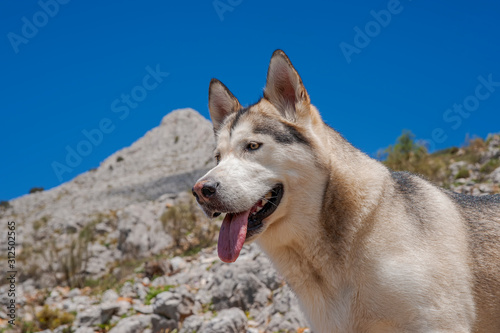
(189, 229)
(408, 155)
(36, 189)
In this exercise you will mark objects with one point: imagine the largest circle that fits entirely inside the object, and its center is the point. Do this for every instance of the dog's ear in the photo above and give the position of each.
(284, 88)
(221, 103)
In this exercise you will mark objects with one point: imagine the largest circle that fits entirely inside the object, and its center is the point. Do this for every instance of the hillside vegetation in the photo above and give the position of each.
(451, 168)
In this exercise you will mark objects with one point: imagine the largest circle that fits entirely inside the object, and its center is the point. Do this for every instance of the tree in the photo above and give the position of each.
(405, 154)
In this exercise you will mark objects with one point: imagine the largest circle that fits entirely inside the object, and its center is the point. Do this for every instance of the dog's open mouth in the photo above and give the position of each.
(238, 227)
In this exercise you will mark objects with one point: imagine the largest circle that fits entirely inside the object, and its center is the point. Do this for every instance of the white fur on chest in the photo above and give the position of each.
(327, 314)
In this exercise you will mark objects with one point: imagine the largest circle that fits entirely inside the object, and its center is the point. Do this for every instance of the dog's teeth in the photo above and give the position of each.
(269, 195)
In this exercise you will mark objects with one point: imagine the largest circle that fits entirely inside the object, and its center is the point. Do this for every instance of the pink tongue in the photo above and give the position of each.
(232, 236)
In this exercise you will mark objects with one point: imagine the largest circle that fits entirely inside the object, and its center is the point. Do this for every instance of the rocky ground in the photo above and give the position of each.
(191, 294)
(124, 248)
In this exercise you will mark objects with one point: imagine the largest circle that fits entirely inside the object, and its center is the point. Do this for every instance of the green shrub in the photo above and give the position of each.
(490, 166)
(48, 318)
(28, 327)
(153, 292)
(463, 173)
(5, 205)
(405, 153)
(42, 222)
(36, 189)
(75, 261)
(408, 155)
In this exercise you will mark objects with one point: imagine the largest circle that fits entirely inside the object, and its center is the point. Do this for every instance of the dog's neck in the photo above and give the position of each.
(314, 242)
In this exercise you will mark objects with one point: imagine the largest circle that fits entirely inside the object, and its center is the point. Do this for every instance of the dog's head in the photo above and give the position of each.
(266, 161)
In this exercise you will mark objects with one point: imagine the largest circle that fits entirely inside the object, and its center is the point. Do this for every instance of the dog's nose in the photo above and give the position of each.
(205, 189)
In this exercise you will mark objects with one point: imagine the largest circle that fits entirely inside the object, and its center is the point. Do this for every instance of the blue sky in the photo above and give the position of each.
(373, 68)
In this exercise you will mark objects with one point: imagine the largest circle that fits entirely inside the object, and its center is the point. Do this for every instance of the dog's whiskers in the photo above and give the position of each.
(272, 203)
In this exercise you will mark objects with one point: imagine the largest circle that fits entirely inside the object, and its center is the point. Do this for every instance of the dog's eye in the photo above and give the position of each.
(217, 158)
(253, 145)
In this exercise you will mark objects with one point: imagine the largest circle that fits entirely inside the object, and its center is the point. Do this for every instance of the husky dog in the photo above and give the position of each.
(364, 249)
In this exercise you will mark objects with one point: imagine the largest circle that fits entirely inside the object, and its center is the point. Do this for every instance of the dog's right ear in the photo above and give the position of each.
(221, 103)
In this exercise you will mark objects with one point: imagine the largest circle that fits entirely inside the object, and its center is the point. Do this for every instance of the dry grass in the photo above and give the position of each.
(189, 228)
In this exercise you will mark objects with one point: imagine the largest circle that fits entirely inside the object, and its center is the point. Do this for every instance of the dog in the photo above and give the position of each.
(364, 249)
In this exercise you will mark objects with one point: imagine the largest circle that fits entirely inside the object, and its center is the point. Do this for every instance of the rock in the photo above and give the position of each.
(284, 312)
(89, 317)
(177, 264)
(491, 153)
(229, 320)
(486, 188)
(161, 281)
(146, 309)
(283, 300)
(74, 292)
(134, 324)
(54, 297)
(124, 307)
(102, 229)
(68, 306)
(108, 310)
(109, 296)
(495, 176)
(160, 323)
(96, 314)
(278, 323)
(83, 330)
(493, 140)
(80, 303)
(234, 289)
(128, 290)
(141, 290)
(115, 319)
(192, 324)
(173, 305)
(288, 322)
(166, 304)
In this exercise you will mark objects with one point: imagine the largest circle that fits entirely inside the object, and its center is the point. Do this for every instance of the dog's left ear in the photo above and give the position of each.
(284, 87)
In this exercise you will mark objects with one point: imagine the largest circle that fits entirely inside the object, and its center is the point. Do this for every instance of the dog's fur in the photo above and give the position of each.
(365, 249)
